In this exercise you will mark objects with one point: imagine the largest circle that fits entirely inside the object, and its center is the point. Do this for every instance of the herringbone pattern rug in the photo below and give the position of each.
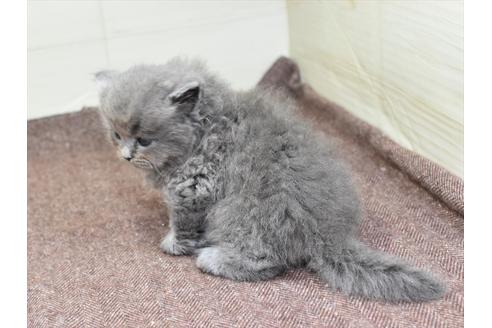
(94, 230)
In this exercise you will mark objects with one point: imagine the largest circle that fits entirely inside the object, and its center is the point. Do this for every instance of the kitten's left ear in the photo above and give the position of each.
(186, 96)
(104, 79)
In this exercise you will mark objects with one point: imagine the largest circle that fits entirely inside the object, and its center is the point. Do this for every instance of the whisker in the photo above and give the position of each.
(154, 167)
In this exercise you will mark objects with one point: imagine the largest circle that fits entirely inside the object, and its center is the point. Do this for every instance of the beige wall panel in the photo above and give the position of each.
(396, 64)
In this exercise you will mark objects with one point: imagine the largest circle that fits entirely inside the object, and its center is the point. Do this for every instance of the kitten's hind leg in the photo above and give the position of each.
(229, 263)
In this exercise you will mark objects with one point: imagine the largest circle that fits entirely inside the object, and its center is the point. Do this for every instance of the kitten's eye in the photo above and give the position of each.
(144, 142)
(116, 135)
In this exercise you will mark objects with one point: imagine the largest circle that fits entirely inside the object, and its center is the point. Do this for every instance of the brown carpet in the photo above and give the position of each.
(94, 230)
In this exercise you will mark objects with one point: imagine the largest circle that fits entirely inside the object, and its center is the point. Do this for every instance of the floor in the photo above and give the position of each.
(94, 228)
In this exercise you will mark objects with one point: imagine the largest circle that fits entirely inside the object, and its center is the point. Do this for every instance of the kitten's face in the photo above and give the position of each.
(143, 150)
(146, 116)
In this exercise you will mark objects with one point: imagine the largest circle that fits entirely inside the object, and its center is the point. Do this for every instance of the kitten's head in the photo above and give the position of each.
(148, 111)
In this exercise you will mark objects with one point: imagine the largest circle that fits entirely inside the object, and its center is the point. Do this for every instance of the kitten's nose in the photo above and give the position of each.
(127, 158)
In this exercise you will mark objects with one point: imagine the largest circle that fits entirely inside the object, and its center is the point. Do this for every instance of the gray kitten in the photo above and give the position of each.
(251, 190)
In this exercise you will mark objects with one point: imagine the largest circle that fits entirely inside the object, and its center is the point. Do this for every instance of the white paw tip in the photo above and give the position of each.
(208, 259)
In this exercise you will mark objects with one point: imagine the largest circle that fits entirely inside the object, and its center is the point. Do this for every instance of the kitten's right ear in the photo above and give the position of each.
(186, 96)
(104, 79)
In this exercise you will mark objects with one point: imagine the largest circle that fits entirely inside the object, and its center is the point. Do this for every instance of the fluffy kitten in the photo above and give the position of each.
(250, 189)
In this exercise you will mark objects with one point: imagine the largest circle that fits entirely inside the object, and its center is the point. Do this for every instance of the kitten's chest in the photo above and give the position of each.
(197, 182)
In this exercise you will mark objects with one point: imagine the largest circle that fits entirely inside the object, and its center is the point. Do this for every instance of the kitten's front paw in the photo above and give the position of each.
(208, 260)
(171, 246)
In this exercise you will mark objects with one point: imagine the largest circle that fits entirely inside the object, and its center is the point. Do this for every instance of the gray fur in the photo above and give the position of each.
(251, 189)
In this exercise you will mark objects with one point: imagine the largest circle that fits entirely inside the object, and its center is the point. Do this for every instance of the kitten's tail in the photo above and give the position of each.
(366, 272)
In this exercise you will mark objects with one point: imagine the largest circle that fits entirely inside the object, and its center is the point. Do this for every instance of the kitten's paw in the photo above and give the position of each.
(209, 260)
(171, 246)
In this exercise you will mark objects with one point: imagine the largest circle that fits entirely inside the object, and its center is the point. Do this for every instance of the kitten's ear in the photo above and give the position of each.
(185, 96)
(104, 79)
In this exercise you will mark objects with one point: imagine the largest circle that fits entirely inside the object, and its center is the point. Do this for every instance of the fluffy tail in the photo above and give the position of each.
(366, 272)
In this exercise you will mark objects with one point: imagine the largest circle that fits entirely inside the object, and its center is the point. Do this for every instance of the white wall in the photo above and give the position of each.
(396, 64)
(69, 40)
